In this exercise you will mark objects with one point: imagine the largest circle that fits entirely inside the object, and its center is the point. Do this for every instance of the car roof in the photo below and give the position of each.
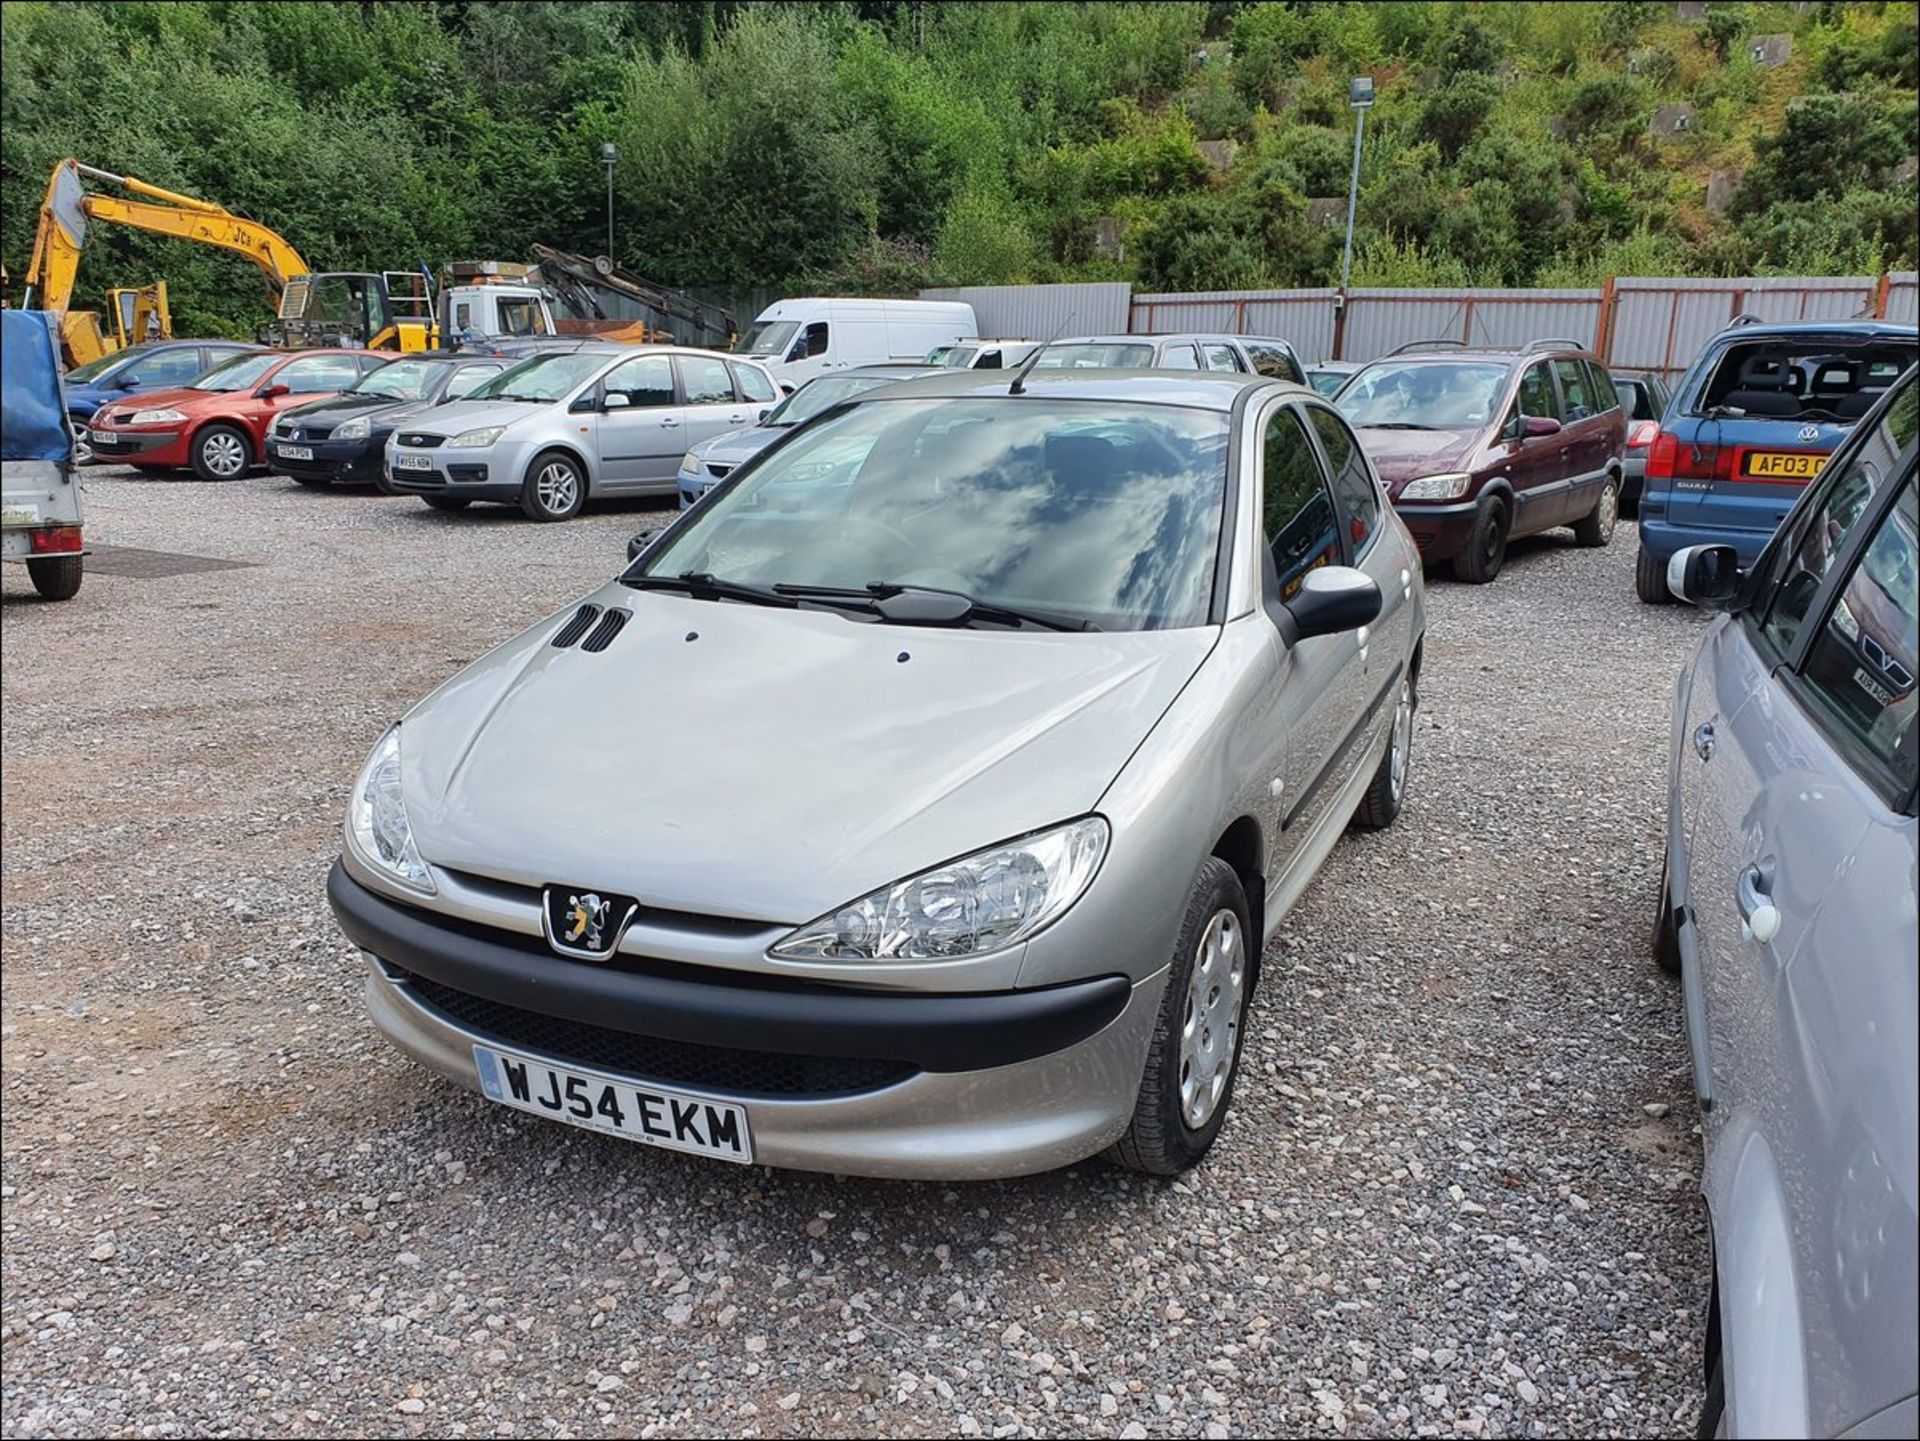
(1795, 329)
(1142, 338)
(900, 370)
(1197, 389)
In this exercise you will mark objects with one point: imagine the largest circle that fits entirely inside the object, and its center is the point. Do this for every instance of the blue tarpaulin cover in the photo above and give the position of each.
(32, 421)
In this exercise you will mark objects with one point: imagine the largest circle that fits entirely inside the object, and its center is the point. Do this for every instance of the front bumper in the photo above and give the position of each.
(929, 1085)
(1441, 531)
(344, 462)
(145, 447)
(490, 473)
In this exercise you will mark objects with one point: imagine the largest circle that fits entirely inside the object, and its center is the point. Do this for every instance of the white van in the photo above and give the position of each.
(799, 339)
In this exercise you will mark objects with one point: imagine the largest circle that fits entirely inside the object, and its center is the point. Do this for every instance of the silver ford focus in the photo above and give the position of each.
(920, 803)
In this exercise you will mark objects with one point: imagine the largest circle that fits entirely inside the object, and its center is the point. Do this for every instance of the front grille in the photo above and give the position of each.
(686, 1063)
(419, 441)
(611, 624)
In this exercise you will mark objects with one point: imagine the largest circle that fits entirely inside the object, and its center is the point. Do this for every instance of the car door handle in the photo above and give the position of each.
(1703, 740)
(1406, 584)
(1759, 917)
(668, 422)
(1365, 636)
(736, 420)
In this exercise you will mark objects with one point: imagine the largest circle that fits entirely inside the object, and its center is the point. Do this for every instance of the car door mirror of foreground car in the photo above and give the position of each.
(1705, 575)
(1332, 599)
(273, 392)
(1537, 425)
(639, 543)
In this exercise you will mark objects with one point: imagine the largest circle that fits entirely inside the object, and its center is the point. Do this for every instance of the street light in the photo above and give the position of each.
(1359, 96)
(607, 156)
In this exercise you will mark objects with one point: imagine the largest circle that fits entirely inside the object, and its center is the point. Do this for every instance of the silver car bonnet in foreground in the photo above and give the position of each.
(772, 764)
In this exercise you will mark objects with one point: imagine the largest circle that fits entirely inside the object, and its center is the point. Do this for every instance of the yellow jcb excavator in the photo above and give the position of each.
(392, 311)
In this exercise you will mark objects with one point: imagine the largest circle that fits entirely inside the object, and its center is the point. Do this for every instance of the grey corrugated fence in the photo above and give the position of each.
(1634, 322)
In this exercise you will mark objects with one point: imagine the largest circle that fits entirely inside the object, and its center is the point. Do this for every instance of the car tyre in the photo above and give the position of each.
(1595, 528)
(448, 502)
(1188, 1081)
(56, 577)
(1650, 579)
(221, 452)
(555, 487)
(1666, 935)
(1381, 804)
(1486, 548)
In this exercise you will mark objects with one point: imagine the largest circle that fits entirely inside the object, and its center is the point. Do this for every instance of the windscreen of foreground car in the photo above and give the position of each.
(771, 338)
(1424, 395)
(545, 377)
(823, 394)
(1118, 356)
(402, 380)
(94, 369)
(240, 372)
(1095, 512)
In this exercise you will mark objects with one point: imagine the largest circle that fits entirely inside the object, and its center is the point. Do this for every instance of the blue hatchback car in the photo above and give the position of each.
(155, 365)
(1750, 423)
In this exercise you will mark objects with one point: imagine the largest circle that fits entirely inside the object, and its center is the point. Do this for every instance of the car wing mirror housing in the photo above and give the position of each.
(1708, 576)
(1540, 425)
(637, 546)
(614, 400)
(1331, 599)
(274, 391)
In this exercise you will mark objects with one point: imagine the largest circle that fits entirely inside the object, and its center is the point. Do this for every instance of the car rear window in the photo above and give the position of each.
(1831, 380)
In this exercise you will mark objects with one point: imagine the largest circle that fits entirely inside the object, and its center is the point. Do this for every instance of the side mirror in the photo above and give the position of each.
(123, 381)
(765, 411)
(1705, 575)
(274, 391)
(1540, 425)
(638, 544)
(1331, 599)
(615, 400)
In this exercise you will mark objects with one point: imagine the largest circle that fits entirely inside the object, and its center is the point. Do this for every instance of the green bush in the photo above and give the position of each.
(1457, 111)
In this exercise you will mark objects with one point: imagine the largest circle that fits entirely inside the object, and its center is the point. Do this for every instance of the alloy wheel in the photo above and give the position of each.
(1402, 741)
(224, 454)
(1210, 1029)
(557, 486)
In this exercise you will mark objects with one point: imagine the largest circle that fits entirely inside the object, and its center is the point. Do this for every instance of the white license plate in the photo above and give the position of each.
(618, 1107)
(413, 462)
(296, 452)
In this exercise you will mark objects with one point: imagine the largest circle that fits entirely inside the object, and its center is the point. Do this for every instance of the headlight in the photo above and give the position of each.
(377, 819)
(1844, 622)
(689, 464)
(474, 439)
(355, 429)
(983, 902)
(155, 417)
(1437, 487)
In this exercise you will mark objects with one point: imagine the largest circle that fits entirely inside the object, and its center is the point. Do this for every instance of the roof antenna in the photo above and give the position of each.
(1019, 386)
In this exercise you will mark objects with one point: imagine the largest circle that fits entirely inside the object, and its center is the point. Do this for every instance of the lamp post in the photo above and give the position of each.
(608, 155)
(1359, 96)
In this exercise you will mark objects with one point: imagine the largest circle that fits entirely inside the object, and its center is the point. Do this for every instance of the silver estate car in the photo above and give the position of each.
(1244, 354)
(1788, 910)
(566, 426)
(1005, 722)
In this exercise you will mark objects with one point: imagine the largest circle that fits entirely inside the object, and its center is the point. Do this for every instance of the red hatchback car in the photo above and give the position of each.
(1478, 446)
(218, 425)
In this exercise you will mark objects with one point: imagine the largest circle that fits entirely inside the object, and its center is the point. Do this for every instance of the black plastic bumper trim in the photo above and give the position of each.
(932, 1031)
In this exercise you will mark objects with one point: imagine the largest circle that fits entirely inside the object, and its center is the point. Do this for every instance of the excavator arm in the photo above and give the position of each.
(64, 216)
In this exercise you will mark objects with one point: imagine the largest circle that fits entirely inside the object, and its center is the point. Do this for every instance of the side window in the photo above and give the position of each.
(466, 378)
(1301, 528)
(753, 383)
(462, 315)
(1353, 486)
(812, 342)
(1600, 387)
(169, 367)
(1179, 357)
(646, 381)
(707, 381)
(1221, 357)
(519, 317)
(318, 372)
(1806, 551)
(1862, 665)
(1573, 389)
(1270, 360)
(1536, 393)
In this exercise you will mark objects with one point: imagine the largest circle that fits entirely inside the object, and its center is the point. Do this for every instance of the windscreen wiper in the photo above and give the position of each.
(932, 605)
(1396, 425)
(705, 585)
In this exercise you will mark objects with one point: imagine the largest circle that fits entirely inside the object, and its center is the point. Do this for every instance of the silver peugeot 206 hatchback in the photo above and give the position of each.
(919, 804)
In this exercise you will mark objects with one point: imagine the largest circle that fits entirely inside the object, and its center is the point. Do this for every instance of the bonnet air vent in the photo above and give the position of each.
(603, 634)
(575, 628)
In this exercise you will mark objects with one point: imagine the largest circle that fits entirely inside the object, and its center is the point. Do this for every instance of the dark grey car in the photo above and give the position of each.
(1788, 909)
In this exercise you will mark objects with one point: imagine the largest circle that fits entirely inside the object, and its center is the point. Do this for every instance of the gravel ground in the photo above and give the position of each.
(1456, 1195)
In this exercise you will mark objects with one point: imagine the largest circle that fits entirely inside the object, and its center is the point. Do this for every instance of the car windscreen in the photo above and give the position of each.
(823, 394)
(769, 338)
(240, 372)
(94, 369)
(1098, 512)
(1326, 382)
(1830, 380)
(1424, 394)
(402, 380)
(1117, 356)
(545, 377)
